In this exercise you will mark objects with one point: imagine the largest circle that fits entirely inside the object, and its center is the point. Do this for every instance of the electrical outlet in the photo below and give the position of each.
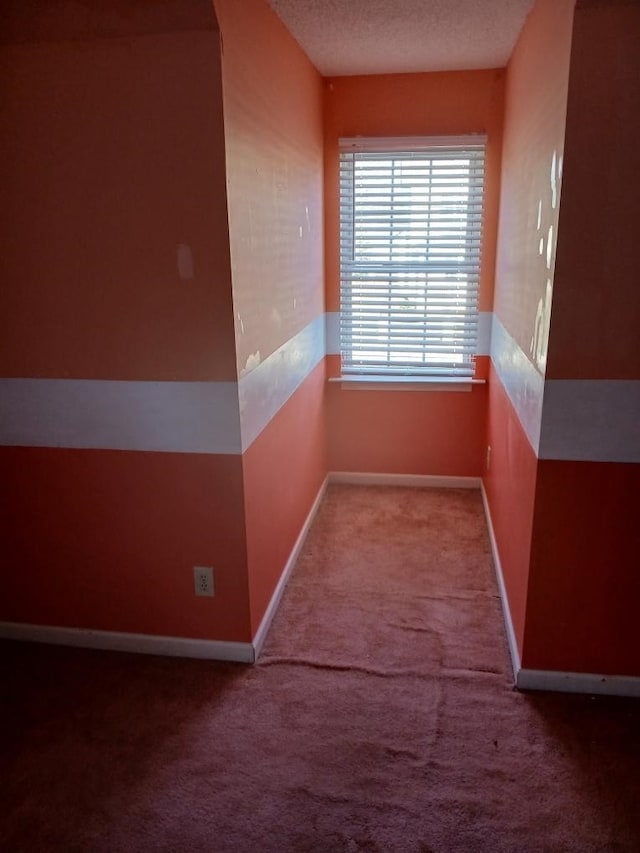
(203, 580)
(488, 457)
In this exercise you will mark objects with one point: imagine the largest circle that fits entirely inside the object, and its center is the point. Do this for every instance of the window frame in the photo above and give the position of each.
(437, 373)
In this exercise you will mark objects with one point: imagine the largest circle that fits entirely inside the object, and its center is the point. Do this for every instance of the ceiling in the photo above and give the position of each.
(347, 37)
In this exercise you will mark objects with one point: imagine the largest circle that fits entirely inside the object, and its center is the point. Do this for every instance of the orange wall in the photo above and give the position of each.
(406, 432)
(125, 132)
(392, 431)
(109, 161)
(535, 104)
(46, 21)
(510, 486)
(582, 610)
(283, 472)
(112, 157)
(565, 527)
(535, 113)
(596, 310)
(273, 130)
(106, 540)
(584, 584)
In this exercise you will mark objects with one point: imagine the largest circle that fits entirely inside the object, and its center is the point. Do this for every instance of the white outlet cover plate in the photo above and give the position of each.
(203, 581)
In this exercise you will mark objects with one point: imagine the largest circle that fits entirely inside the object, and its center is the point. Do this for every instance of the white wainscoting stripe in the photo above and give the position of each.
(115, 641)
(485, 324)
(573, 420)
(178, 417)
(261, 633)
(172, 417)
(332, 331)
(265, 389)
(523, 383)
(591, 420)
(578, 682)
(421, 481)
(502, 589)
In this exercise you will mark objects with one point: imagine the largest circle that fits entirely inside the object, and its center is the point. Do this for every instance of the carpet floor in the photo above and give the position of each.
(380, 717)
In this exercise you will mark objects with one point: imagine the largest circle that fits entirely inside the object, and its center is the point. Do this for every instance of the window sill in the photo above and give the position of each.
(406, 383)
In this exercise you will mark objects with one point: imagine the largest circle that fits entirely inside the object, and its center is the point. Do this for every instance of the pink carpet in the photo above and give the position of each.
(380, 718)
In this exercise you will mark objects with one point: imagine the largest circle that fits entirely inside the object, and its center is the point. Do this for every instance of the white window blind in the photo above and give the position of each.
(410, 233)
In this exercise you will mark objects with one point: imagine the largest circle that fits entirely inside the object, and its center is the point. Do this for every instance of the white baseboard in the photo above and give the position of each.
(261, 633)
(578, 682)
(115, 641)
(421, 481)
(502, 589)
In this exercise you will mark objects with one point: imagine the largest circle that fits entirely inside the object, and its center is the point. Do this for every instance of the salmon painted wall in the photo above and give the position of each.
(584, 579)
(584, 588)
(533, 144)
(406, 432)
(510, 490)
(421, 432)
(283, 470)
(565, 396)
(273, 131)
(117, 257)
(119, 405)
(106, 539)
(596, 309)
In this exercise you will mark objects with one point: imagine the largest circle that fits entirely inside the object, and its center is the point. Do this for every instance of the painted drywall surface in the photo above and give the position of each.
(584, 584)
(413, 432)
(116, 258)
(108, 540)
(273, 137)
(266, 389)
(273, 130)
(532, 158)
(510, 485)
(534, 121)
(117, 319)
(283, 472)
(66, 20)
(406, 432)
(596, 309)
(578, 581)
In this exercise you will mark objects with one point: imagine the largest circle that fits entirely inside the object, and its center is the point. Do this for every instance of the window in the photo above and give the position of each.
(410, 232)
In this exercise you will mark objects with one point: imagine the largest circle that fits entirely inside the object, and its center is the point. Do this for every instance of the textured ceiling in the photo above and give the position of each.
(346, 37)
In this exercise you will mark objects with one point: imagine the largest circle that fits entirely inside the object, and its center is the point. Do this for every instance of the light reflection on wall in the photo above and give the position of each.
(547, 250)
